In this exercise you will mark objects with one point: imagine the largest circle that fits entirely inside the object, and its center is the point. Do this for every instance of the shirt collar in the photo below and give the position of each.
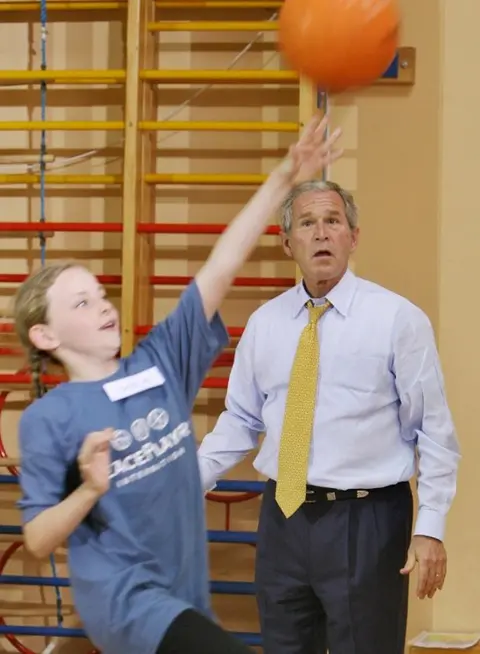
(340, 296)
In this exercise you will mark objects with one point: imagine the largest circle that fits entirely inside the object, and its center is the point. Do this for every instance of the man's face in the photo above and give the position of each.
(320, 240)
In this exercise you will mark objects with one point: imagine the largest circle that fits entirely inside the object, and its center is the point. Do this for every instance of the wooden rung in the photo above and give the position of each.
(25, 158)
(24, 235)
(32, 610)
(9, 496)
(11, 538)
(61, 551)
(9, 461)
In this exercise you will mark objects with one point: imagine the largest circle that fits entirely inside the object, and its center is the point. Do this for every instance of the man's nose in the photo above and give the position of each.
(320, 232)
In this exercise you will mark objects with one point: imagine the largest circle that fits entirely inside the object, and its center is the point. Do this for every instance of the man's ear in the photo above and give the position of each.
(286, 244)
(355, 237)
(42, 337)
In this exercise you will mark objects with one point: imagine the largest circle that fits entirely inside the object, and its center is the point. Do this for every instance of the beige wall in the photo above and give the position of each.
(459, 238)
(410, 161)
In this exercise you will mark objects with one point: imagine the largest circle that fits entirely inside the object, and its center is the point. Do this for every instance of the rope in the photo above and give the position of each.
(42, 239)
(43, 141)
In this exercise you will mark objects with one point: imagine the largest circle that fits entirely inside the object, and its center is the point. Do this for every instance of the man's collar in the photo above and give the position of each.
(340, 296)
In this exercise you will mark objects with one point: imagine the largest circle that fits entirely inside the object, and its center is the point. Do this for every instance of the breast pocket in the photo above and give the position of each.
(361, 373)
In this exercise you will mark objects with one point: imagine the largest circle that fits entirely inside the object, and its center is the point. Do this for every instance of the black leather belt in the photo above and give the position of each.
(317, 494)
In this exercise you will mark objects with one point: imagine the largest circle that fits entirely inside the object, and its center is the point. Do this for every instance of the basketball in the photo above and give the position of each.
(339, 44)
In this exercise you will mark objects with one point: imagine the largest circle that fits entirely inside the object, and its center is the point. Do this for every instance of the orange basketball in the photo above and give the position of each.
(339, 44)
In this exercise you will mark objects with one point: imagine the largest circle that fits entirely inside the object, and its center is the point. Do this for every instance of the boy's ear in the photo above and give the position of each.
(42, 337)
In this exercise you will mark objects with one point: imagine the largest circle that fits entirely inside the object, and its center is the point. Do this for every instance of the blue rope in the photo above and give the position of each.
(43, 253)
(43, 142)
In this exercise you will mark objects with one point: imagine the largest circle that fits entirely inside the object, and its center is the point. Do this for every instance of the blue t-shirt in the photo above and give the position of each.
(142, 560)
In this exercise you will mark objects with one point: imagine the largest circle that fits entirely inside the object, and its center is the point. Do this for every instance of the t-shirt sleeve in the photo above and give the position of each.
(43, 466)
(189, 340)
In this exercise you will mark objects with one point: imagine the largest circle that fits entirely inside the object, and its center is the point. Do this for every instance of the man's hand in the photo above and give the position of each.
(432, 561)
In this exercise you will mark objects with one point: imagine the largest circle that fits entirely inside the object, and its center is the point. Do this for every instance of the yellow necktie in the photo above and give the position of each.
(299, 413)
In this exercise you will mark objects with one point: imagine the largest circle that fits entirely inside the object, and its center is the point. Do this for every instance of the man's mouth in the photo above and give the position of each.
(322, 253)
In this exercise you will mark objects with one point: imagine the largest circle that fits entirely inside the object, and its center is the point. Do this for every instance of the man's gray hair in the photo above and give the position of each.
(286, 211)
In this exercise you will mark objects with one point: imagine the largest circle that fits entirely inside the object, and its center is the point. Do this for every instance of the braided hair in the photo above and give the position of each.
(38, 360)
(30, 309)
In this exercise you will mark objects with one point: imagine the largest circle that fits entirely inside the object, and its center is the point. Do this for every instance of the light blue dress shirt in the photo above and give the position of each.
(380, 399)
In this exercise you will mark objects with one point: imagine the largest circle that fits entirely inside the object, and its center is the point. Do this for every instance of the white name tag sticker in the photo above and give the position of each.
(133, 384)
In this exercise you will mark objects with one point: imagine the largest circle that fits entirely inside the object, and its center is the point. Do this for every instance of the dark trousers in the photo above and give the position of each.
(328, 577)
(193, 633)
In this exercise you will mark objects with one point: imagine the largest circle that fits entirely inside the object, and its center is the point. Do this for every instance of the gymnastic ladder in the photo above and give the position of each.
(139, 181)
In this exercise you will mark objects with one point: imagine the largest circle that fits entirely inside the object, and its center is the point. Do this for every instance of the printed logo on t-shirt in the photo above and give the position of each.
(122, 439)
(154, 454)
(157, 420)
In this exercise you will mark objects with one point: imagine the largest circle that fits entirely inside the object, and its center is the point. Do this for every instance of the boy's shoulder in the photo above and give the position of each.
(52, 407)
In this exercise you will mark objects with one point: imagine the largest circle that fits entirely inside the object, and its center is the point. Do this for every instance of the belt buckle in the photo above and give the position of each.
(332, 495)
(362, 493)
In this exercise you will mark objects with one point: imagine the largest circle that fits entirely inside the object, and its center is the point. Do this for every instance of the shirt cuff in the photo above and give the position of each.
(430, 523)
(207, 476)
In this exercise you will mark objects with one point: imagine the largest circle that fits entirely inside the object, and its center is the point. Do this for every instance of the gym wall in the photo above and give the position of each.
(411, 163)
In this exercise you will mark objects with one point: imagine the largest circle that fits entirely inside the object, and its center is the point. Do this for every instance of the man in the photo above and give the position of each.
(343, 377)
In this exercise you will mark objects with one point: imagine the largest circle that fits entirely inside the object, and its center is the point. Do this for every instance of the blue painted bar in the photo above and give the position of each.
(240, 486)
(8, 479)
(214, 536)
(216, 587)
(12, 530)
(17, 630)
(252, 639)
(245, 537)
(25, 580)
(227, 485)
(232, 588)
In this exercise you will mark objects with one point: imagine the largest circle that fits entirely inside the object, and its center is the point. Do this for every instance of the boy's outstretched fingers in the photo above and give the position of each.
(332, 139)
(315, 128)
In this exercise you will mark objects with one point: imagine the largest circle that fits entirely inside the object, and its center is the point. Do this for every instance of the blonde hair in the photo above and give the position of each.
(31, 308)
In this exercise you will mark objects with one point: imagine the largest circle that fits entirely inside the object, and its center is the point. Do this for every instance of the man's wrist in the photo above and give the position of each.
(430, 523)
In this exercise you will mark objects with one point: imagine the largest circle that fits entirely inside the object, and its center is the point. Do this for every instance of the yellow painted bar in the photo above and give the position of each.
(146, 125)
(217, 126)
(78, 5)
(406, 75)
(226, 76)
(60, 125)
(194, 178)
(166, 76)
(214, 26)
(90, 80)
(218, 4)
(20, 178)
(60, 6)
(63, 76)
